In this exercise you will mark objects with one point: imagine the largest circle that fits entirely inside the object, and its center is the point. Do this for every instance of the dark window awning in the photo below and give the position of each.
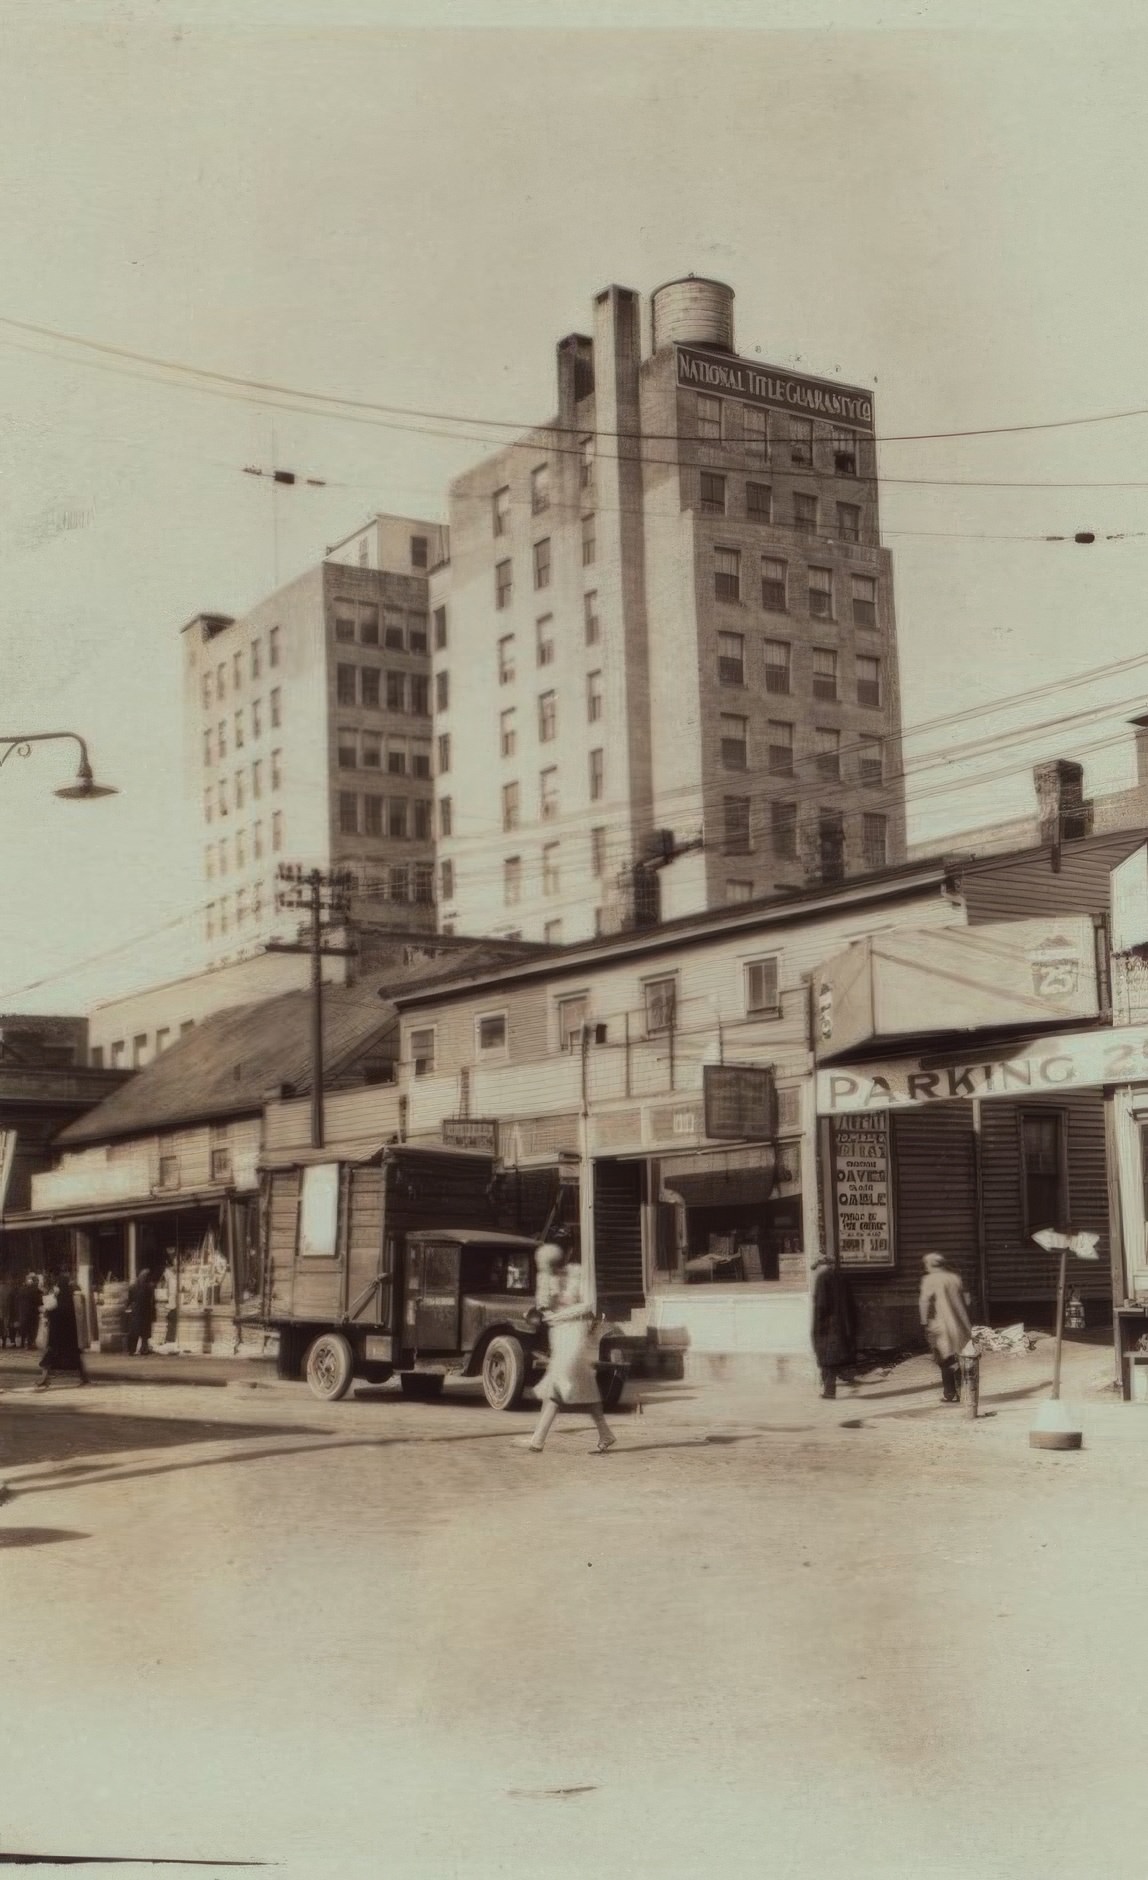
(75, 1214)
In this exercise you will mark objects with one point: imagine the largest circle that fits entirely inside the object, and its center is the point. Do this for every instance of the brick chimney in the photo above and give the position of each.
(1062, 812)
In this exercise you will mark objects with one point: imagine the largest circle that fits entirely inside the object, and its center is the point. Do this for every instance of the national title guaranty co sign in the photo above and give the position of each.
(723, 376)
(1072, 1061)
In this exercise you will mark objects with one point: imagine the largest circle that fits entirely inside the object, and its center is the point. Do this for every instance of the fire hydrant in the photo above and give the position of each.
(970, 1378)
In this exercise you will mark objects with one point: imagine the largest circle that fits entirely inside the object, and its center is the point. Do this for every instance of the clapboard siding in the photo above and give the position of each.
(1016, 888)
(1017, 1269)
(934, 1188)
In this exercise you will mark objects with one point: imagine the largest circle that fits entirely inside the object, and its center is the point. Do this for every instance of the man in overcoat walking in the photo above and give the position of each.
(834, 1327)
(945, 1317)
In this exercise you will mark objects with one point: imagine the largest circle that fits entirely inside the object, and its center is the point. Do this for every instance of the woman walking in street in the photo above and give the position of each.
(62, 1351)
(570, 1381)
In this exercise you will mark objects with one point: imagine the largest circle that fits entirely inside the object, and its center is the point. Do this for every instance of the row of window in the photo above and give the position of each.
(732, 669)
(540, 563)
(214, 683)
(544, 640)
(759, 506)
(820, 587)
(779, 750)
(400, 820)
(778, 437)
(540, 489)
(118, 1049)
(244, 846)
(374, 689)
(219, 797)
(358, 749)
(246, 907)
(357, 623)
(215, 743)
(738, 832)
(419, 550)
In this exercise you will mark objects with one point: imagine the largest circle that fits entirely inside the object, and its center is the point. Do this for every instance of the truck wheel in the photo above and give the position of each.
(504, 1372)
(423, 1386)
(330, 1367)
(611, 1384)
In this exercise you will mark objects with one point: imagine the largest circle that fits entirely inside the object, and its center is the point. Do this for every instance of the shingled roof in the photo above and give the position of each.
(227, 1064)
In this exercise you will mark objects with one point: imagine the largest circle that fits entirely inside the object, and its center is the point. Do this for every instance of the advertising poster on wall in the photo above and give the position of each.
(862, 1194)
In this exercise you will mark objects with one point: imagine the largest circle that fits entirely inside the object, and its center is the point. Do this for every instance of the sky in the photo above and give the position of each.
(339, 200)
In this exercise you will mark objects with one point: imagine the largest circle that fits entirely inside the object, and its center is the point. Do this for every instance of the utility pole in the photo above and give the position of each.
(326, 897)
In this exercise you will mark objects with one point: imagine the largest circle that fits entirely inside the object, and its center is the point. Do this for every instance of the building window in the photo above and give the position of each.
(419, 551)
(209, 861)
(418, 690)
(370, 681)
(241, 907)
(552, 933)
(593, 697)
(397, 757)
(372, 815)
(547, 717)
(731, 659)
(762, 994)
(874, 841)
(777, 665)
(257, 717)
(734, 742)
(831, 844)
(550, 868)
(443, 753)
(257, 841)
(712, 494)
(590, 615)
(503, 584)
(441, 691)
(439, 619)
(506, 659)
(824, 672)
(827, 752)
(396, 691)
(759, 502)
(849, 521)
(509, 806)
(500, 511)
(660, 1002)
(739, 890)
(399, 884)
(364, 552)
(541, 555)
(782, 828)
(273, 646)
(276, 830)
(207, 746)
(208, 804)
(756, 438)
(417, 632)
(236, 671)
(221, 682)
(735, 825)
(571, 1013)
(276, 707)
(421, 1045)
(240, 849)
(257, 778)
(206, 688)
(276, 769)
(371, 750)
(871, 760)
(421, 758)
(512, 880)
(586, 463)
(821, 593)
(347, 748)
(1044, 1186)
(544, 640)
(709, 418)
(221, 797)
(344, 623)
(397, 825)
(864, 588)
(221, 739)
(368, 621)
(589, 542)
(507, 733)
(727, 574)
(223, 856)
(446, 881)
(801, 441)
(804, 513)
(445, 816)
(139, 1050)
(844, 446)
(540, 489)
(548, 794)
(423, 877)
(597, 852)
(773, 584)
(779, 748)
(394, 630)
(868, 680)
(490, 1034)
(256, 658)
(597, 775)
(348, 813)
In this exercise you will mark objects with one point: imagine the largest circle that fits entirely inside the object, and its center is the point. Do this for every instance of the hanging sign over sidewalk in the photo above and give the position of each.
(1072, 1061)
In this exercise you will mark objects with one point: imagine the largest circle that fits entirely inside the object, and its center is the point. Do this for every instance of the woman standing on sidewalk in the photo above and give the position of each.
(570, 1381)
(62, 1351)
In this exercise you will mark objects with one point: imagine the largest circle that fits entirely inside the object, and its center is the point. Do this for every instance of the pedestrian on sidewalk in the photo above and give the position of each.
(834, 1323)
(945, 1317)
(29, 1300)
(7, 1309)
(62, 1351)
(570, 1381)
(141, 1314)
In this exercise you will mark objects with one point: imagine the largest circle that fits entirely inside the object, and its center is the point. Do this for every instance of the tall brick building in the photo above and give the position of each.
(665, 662)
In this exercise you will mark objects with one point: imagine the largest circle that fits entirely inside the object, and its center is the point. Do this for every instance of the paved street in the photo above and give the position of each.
(766, 1635)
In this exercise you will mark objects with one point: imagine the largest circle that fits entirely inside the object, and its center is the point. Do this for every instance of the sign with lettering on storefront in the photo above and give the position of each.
(471, 1132)
(722, 375)
(1072, 1061)
(862, 1205)
(740, 1102)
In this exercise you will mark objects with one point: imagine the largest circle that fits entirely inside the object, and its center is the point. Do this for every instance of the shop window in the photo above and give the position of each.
(1043, 1169)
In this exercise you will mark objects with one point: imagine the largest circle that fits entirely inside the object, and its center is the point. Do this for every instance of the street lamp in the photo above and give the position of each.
(85, 784)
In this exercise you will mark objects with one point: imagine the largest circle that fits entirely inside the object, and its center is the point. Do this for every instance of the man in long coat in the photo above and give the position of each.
(141, 1314)
(945, 1317)
(834, 1324)
(62, 1351)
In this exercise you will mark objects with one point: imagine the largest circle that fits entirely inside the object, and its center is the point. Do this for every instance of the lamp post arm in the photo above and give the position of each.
(21, 744)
